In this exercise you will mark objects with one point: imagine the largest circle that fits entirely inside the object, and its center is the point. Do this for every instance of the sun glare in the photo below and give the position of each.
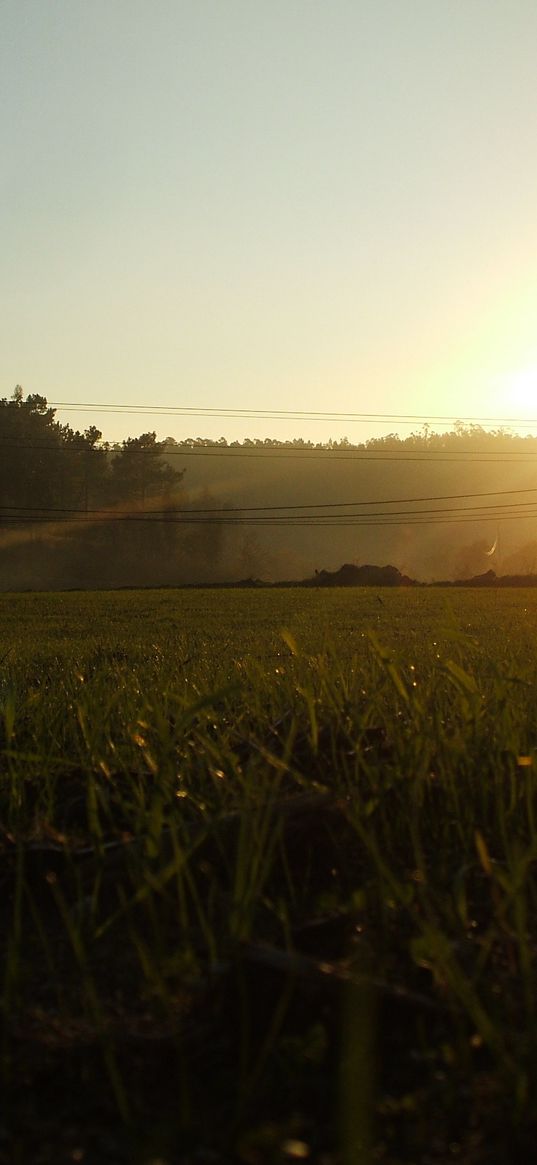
(521, 393)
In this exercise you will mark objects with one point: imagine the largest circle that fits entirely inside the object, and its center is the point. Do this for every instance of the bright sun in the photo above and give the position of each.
(520, 393)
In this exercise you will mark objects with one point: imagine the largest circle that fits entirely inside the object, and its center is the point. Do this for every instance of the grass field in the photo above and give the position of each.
(267, 878)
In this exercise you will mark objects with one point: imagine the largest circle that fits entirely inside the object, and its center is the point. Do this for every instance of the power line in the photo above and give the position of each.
(228, 510)
(331, 523)
(285, 414)
(494, 512)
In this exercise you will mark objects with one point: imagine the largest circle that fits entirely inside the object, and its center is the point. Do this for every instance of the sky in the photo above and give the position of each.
(314, 205)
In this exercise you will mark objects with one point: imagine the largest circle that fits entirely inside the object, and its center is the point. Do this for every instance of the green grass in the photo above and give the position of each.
(268, 876)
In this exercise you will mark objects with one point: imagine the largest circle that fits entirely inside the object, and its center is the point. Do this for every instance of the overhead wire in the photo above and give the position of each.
(103, 510)
(333, 522)
(277, 414)
(494, 512)
(243, 413)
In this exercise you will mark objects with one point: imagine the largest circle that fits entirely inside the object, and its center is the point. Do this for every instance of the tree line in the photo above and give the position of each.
(71, 505)
(46, 466)
(79, 511)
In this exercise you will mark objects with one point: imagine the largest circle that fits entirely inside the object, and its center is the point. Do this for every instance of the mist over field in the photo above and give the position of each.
(78, 512)
(428, 552)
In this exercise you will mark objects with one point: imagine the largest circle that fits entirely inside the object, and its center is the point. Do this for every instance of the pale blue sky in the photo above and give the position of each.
(311, 204)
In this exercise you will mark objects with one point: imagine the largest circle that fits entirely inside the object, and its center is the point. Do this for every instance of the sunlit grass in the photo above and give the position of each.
(283, 843)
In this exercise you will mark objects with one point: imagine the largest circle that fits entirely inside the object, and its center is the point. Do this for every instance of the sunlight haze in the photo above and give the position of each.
(295, 205)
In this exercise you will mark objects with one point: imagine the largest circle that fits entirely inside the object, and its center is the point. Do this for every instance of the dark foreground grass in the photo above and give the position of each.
(268, 877)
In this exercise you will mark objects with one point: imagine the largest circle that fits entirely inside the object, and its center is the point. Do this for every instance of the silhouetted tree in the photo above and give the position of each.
(139, 470)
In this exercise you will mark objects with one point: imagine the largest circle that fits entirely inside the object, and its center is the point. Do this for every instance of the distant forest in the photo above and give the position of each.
(78, 511)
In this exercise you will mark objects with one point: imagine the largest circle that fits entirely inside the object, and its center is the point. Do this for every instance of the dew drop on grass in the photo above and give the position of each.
(296, 1150)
